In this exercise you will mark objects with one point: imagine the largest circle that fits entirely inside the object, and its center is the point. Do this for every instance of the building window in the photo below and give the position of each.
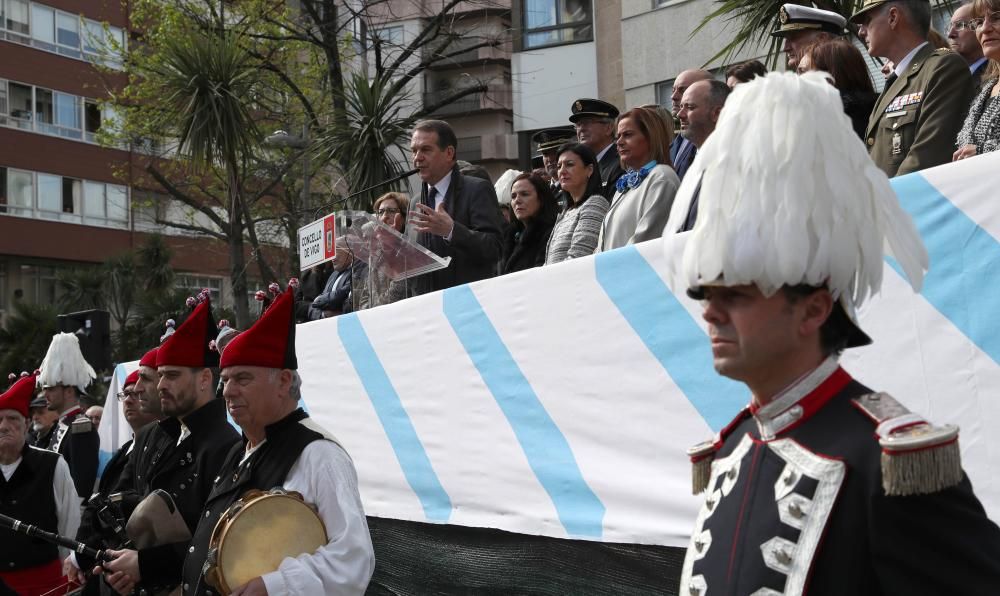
(16, 19)
(55, 113)
(47, 196)
(555, 22)
(39, 284)
(43, 27)
(664, 90)
(196, 283)
(68, 34)
(20, 192)
(62, 32)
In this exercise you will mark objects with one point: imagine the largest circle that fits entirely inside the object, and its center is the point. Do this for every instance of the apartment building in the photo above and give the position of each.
(66, 201)
(483, 122)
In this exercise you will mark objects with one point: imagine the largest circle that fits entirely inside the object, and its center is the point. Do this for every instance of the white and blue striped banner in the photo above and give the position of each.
(559, 401)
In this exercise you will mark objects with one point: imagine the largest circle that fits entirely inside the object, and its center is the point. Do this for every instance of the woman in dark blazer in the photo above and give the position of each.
(535, 210)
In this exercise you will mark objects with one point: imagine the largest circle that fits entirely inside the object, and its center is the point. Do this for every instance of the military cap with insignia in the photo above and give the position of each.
(794, 18)
(867, 7)
(592, 108)
(551, 139)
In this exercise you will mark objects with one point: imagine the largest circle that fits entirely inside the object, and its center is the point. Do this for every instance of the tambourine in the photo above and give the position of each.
(255, 535)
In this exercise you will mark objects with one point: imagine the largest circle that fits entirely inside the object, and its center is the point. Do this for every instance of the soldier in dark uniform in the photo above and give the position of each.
(916, 119)
(595, 127)
(820, 483)
(43, 423)
(64, 376)
(35, 488)
(100, 514)
(547, 143)
(283, 448)
(180, 454)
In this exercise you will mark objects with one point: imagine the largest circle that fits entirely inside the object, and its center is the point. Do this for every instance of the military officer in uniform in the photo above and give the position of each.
(595, 127)
(43, 422)
(916, 119)
(35, 488)
(803, 26)
(64, 377)
(547, 143)
(180, 454)
(283, 447)
(820, 483)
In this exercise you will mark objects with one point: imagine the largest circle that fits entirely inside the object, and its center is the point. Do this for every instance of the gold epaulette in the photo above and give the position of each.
(917, 456)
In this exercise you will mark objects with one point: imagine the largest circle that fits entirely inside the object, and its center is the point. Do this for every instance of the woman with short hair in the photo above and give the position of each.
(641, 206)
(846, 66)
(981, 131)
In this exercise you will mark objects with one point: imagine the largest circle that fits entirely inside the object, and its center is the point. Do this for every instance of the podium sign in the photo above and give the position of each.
(317, 242)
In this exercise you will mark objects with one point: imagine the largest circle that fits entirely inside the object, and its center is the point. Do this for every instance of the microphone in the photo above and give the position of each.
(334, 202)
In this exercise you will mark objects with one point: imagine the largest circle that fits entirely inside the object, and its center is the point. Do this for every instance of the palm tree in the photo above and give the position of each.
(81, 288)
(26, 338)
(207, 83)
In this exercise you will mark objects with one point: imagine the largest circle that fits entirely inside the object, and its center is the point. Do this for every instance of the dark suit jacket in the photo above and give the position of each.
(922, 132)
(611, 171)
(977, 78)
(474, 247)
(681, 166)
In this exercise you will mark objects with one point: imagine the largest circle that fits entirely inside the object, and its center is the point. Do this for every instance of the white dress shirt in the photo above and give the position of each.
(325, 476)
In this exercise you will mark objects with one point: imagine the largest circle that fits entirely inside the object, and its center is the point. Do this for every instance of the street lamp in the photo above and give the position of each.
(281, 138)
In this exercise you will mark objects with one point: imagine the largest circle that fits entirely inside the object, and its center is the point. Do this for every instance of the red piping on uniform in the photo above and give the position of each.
(818, 397)
(888, 451)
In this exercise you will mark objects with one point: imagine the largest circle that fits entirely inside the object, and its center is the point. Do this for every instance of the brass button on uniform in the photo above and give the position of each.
(871, 141)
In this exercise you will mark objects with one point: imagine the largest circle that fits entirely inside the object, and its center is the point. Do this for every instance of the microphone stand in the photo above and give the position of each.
(335, 202)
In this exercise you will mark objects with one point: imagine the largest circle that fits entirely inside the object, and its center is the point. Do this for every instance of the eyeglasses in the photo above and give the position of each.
(387, 211)
(123, 395)
(993, 17)
(969, 25)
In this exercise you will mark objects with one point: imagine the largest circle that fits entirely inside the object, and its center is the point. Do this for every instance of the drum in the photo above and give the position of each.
(256, 533)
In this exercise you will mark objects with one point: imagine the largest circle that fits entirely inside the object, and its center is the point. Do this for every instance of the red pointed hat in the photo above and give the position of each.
(131, 379)
(270, 342)
(19, 395)
(188, 345)
(149, 358)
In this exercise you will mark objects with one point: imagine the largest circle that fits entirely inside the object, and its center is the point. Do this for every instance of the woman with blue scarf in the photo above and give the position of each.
(640, 208)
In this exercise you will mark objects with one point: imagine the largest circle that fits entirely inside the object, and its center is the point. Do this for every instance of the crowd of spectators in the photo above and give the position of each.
(608, 179)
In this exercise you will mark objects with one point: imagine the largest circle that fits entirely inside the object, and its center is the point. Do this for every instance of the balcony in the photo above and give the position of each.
(466, 54)
(489, 147)
(497, 97)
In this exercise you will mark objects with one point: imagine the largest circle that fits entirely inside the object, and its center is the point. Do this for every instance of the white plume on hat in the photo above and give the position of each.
(64, 364)
(790, 196)
(504, 184)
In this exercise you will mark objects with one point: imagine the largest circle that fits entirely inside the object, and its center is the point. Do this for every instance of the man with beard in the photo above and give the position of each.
(284, 448)
(43, 422)
(64, 376)
(35, 488)
(99, 518)
(179, 455)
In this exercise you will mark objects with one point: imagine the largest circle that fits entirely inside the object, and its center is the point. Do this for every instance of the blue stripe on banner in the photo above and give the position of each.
(548, 452)
(964, 276)
(403, 437)
(670, 333)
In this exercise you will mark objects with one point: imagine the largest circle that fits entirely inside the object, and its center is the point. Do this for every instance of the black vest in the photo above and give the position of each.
(28, 497)
(265, 469)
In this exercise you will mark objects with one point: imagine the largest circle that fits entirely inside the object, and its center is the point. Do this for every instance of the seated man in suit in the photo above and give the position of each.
(455, 215)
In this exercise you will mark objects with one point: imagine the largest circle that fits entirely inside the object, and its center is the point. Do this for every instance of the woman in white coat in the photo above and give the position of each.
(640, 208)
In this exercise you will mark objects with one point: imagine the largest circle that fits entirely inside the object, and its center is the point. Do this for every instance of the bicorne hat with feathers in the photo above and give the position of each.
(64, 364)
(789, 196)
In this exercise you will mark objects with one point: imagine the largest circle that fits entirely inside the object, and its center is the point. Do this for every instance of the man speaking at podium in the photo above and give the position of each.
(456, 216)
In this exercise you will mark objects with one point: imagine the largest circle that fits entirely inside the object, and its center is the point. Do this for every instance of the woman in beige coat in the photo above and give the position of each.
(640, 208)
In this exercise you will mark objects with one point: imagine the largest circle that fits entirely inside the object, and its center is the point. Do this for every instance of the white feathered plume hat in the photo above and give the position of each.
(789, 196)
(64, 364)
